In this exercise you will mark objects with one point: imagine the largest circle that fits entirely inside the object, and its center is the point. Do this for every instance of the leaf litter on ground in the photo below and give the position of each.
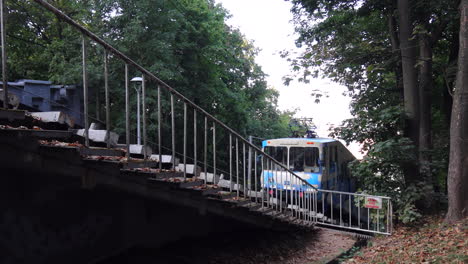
(431, 241)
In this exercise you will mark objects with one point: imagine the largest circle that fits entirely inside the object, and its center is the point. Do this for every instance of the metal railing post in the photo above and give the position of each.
(255, 175)
(249, 166)
(291, 184)
(4, 54)
(185, 141)
(243, 171)
(268, 168)
(195, 141)
(143, 101)
(368, 219)
(237, 167)
(388, 215)
(282, 189)
(262, 175)
(159, 129)
(85, 91)
(276, 186)
(230, 162)
(331, 206)
(378, 219)
(341, 205)
(173, 131)
(127, 112)
(350, 210)
(359, 213)
(214, 153)
(106, 91)
(205, 150)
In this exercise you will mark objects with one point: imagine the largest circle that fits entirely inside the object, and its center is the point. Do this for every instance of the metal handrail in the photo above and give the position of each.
(357, 194)
(146, 72)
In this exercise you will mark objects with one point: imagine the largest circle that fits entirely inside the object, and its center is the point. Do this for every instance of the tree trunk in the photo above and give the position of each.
(457, 180)
(447, 99)
(392, 29)
(425, 89)
(408, 49)
(425, 124)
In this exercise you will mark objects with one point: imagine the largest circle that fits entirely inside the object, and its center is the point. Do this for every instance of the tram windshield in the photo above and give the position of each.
(304, 159)
(278, 153)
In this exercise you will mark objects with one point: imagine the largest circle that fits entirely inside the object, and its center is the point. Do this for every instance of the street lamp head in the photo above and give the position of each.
(136, 79)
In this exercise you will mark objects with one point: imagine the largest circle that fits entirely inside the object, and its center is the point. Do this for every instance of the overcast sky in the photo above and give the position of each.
(268, 24)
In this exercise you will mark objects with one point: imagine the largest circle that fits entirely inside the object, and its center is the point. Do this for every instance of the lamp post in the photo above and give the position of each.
(138, 81)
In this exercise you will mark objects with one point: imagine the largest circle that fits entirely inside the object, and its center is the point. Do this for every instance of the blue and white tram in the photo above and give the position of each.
(322, 162)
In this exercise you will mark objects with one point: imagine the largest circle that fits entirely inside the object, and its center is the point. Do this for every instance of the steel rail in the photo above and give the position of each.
(144, 71)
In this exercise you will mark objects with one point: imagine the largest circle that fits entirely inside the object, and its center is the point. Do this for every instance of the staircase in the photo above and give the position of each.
(26, 142)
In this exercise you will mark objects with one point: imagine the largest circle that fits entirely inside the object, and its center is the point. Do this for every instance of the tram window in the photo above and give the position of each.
(336, 153)
(333, 154)
(278, 153)
(304, 159)
(312, 159)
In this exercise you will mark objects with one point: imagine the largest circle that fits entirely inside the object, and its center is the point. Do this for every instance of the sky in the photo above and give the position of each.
(268, 24)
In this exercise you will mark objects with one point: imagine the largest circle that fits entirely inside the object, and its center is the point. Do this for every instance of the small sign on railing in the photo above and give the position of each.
(373, 202)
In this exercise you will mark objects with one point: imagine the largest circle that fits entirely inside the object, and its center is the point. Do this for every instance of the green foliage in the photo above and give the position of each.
(185, 43)
(380, 172)
(355, 43)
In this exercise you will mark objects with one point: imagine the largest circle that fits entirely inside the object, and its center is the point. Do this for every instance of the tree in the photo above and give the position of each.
(186, 43)
(458, 168)
(395, 57)
(411, 96)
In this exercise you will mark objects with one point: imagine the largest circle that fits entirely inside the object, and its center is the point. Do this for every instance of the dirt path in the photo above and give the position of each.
(316, 246)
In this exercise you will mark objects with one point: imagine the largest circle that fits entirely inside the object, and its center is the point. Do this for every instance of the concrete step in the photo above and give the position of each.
(251, 205)
(144, 174)
(134, 164)
(256, 207)
(39, 134)
(99, 136)
(177, 182)
(209, 177)
(190, 169)
(272, 213)
(223, 195)
(166, 159)
(54, 117)
(139, 150)
(101, 152)
(11, 115)
(202, 190)
(264, 210)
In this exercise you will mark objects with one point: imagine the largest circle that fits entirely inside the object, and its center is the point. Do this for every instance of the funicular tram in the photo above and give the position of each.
(323, 164)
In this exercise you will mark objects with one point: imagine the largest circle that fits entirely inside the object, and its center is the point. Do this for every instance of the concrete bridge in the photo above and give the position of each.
(62, 202)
